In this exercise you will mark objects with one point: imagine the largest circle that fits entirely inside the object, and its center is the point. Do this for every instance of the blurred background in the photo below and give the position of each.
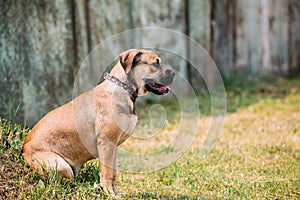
(43, 43)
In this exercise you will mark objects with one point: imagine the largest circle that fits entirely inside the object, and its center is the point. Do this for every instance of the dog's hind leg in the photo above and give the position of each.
(46, 161)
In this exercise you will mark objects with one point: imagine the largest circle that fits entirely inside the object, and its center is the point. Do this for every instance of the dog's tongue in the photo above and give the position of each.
(164, 88)
(160, 88)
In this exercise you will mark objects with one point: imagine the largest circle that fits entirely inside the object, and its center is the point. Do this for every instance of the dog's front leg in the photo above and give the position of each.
(107, 157)
(107, 179)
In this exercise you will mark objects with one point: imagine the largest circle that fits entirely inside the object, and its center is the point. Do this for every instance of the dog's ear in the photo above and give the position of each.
(129, 59)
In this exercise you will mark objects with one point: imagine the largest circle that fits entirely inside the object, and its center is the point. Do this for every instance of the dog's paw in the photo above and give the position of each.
(109, 190)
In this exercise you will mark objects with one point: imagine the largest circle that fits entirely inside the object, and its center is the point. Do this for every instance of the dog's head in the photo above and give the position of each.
(145, 70)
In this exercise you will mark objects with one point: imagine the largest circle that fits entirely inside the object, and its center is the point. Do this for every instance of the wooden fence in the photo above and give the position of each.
(42, 43)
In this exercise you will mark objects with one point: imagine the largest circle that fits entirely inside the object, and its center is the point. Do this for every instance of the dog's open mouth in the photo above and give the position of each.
(157, 88)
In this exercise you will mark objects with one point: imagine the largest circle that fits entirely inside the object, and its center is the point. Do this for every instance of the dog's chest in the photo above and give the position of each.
(125, 121)
(124, 117)
(127, 126)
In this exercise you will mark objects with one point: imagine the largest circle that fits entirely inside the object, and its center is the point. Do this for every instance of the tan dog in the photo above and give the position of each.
(97, 121)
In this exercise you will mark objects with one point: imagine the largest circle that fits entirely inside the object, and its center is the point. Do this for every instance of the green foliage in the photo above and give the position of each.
(256, 157)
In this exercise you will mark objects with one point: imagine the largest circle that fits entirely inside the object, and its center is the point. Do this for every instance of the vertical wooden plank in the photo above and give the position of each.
(249, 41)
(200, 30)
(82, 38)
(80, 32)
(186, 10)
(73, 70)
(266, 65)
(233, 31)
(49, 53)
(278, 34)
(223, 42)
(199, 21)
(293, 37)
(212, 27)
(12, 58)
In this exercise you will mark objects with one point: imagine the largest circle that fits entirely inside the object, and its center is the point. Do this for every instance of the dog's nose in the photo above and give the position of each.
(170, 73)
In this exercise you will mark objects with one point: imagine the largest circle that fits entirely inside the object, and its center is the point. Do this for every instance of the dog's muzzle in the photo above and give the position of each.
(160, 87)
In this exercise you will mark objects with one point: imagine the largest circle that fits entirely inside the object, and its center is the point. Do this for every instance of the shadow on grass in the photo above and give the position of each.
(146, 195)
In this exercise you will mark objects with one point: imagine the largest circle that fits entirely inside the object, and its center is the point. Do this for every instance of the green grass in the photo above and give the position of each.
(257, 155)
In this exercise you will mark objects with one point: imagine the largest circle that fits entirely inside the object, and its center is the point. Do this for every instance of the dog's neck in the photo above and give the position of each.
(119, 73)
(124, 81)
(131, 90)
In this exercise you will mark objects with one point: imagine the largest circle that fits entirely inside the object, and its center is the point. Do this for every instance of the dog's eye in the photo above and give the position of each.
(157, 63)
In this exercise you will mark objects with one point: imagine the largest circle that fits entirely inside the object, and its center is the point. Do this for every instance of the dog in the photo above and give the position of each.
(93, 124)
